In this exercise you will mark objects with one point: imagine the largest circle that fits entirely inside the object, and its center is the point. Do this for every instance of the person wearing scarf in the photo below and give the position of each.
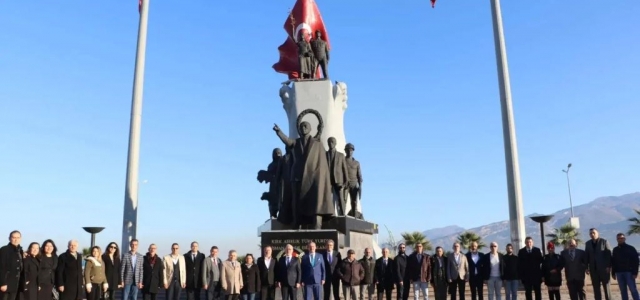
(152, 269)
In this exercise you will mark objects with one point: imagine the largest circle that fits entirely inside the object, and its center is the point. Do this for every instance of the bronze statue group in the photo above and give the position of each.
(312, 54)
(307, 182)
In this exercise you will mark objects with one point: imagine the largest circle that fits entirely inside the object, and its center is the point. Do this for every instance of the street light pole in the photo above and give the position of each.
(569, 187)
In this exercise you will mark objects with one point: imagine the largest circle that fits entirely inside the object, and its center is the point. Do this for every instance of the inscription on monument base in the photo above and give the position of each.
(299, 239)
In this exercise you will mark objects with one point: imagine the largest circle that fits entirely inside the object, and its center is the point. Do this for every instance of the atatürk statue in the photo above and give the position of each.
(337, 174)
(354, 180)
(312, 199)
(321, 54)
(305, 57)
(273, 176)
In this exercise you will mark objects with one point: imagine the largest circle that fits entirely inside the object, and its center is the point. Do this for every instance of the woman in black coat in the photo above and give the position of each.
(552, 270)
(47, 271)
(31, 268)
(250, 278)
(151, 274)
(111, 260)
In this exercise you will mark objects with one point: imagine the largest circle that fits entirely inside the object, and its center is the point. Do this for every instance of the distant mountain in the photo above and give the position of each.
(608, 214)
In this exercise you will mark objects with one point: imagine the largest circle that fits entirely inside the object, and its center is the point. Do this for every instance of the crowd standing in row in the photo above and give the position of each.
(41, 274)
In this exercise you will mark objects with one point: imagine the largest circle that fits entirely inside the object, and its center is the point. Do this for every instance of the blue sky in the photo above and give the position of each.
(423, 111)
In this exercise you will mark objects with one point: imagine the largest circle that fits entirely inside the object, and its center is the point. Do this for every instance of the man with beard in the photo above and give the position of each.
(403, 284)
(599, 264)
(439, 279)
(476, 278)
(69, 275)
(510, 277)
(11, 267)
(312, 200)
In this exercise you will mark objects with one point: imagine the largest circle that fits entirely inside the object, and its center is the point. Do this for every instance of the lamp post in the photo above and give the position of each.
(93, 231)
(541, 220)
(574, 222)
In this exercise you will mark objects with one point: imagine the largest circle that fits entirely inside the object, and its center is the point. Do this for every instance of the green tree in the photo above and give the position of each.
(411, 239)
(634, 227)
(466, 238)
(563, 234)
(86, 252)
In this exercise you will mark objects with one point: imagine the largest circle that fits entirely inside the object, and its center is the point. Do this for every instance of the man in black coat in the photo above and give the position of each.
(193, 265)
(11, 267)
(267, 268)
(476, 276)
(332, 259)
(69, 277)
(403, 283)
(530, 269)
(383, 275)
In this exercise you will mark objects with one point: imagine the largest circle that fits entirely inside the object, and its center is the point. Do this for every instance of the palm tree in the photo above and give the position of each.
(634, 227)
(562, 235)
(411, 239)
(466, 238)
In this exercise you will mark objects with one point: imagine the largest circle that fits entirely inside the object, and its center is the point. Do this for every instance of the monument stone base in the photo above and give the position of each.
(347, 232)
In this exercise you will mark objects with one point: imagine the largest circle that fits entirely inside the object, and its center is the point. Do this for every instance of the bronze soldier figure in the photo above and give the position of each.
(338, 175)
(354, 180)
(272, 176)
(321, 54)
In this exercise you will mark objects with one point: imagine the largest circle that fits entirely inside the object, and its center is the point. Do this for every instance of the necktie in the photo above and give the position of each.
(385, 262)
(529, 250)
(313, 261)
(572, 255)
(330, 257)
(419, 257)
(288, 260)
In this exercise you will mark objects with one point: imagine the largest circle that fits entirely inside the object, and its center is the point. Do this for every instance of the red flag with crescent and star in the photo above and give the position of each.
(304, 17)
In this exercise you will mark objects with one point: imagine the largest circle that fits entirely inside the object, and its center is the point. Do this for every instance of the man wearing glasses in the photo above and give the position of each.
(174, 273)
(493, 271)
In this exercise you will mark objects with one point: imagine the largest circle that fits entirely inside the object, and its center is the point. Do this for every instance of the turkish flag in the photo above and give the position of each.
(304, 17)
(433, 3)
(140, 6)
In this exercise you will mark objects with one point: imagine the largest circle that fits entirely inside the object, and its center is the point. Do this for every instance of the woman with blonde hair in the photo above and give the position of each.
(94, 277)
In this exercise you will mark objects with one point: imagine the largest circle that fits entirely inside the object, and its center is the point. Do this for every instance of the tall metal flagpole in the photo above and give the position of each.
(130, 217)
(516, 214)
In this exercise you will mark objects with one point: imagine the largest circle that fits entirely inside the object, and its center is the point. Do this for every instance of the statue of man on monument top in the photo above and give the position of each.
(312, 197)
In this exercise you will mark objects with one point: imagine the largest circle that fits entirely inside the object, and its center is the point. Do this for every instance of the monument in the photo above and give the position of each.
(315, 189)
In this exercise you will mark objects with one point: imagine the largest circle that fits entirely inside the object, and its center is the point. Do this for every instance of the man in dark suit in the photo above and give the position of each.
(267, 268)
(332, 259)
(193, 264)
(476, 278)
(403, 284)
(289, 275)
(439, 279)
(313, 273)
(575, 265)
(530, 269)
(383, 275)
(338, 174)
(211, 271)
(11, 267)
(599, 264)
(69, 277)
(419, 271)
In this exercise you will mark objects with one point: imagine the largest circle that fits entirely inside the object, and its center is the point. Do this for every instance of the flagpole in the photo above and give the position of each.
(516, 215)
(130, 217)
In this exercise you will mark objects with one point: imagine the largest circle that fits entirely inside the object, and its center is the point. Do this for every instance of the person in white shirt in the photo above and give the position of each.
(174, 273)
(493, 271)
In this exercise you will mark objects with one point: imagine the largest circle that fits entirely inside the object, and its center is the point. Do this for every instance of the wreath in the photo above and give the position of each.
(318, 116)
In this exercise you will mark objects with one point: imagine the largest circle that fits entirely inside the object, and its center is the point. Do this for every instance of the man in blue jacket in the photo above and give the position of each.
(313, 273)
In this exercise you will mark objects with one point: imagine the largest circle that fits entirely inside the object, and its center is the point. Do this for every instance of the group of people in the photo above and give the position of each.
(41, 274)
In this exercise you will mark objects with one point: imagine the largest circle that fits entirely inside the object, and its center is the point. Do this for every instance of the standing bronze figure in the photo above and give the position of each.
(312, 199)
(354, 180)
(305, 57)
(272, 175)
(321, 54)
(338, 175)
